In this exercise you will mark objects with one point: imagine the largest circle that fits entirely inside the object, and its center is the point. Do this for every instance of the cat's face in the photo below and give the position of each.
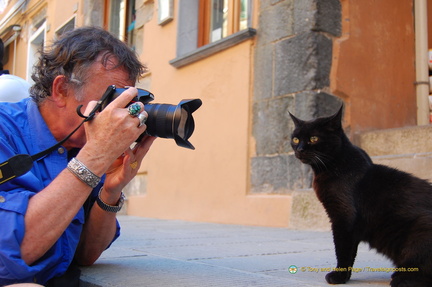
(317, 142)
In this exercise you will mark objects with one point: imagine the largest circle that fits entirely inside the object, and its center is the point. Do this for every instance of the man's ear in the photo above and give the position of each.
(59, 91)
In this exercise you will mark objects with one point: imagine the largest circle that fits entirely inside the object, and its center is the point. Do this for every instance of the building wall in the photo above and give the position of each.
(307, 57)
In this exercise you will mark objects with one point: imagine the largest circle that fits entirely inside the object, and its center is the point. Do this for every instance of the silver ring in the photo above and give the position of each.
(142, 118)
(134, 109)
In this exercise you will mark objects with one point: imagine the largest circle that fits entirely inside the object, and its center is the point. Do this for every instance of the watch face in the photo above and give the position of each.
(121, 200)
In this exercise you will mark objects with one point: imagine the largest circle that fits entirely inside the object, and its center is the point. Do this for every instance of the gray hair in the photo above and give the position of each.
(74, 53)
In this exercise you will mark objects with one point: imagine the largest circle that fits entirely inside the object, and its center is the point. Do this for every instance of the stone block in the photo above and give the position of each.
(272, 126)
(276, 22)
(304, 16)
(324, 53)
(300, 175)
(302, 63)
(269, 174)
(329, 17)
(264, 4)
(327, 105)
(419, 165)
(311, 105)
(307, 212)
(263, 88)
(304, 106)
(278, 174)
(397, 141)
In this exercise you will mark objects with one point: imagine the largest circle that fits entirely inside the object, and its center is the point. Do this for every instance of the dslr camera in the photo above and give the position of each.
(164, 120)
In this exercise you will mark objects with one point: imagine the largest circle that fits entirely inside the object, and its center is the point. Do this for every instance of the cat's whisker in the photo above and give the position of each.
(324, 162)
(329, 159)
(320, 161)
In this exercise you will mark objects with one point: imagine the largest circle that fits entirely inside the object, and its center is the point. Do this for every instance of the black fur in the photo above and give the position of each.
(388, 208)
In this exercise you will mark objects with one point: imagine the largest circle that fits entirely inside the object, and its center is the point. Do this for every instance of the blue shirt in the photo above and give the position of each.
(23, 131)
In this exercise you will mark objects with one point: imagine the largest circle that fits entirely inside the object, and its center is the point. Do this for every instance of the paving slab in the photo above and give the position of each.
(153, 252)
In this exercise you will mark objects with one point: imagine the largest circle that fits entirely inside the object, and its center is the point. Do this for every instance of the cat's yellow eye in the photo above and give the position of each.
(314, 139)
(295, 141)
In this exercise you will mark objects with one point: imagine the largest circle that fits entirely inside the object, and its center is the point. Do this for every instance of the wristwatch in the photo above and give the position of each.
(110, 208)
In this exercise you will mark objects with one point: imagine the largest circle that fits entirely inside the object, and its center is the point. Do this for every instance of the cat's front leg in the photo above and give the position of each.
(346, 251)
(338, 277)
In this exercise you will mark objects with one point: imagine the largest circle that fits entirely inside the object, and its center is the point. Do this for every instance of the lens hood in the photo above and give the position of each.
(170, 121)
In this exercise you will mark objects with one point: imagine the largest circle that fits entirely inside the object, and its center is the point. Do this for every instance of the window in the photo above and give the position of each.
(206, 27)
(36, 42)
(68, 26)
(221, 18)
(120, 19)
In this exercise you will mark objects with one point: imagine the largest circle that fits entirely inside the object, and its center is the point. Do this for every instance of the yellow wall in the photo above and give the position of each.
(210, 183)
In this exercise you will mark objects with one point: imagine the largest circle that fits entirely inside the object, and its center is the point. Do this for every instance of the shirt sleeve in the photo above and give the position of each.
(14, 199)
(13, 268)
(12, 210)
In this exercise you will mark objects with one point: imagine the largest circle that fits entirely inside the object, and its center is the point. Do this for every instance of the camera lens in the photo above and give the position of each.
(160, 120)
(169, 121)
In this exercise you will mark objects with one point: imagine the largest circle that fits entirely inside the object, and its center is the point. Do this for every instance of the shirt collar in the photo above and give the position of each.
(40, 135)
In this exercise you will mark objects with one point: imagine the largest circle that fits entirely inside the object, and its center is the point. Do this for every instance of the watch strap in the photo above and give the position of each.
(110, 208)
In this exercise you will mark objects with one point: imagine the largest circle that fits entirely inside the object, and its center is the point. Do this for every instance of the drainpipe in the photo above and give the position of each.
(422, 58)
(8, 40)
(14, 57)
(17, 30)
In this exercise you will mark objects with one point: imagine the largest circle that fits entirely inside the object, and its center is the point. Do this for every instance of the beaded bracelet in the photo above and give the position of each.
(83, 173)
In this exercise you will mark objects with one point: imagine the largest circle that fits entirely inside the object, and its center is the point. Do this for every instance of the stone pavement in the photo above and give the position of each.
(152, 252)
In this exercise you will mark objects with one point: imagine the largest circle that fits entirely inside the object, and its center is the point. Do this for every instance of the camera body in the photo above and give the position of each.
(164, 120)
(113, 92)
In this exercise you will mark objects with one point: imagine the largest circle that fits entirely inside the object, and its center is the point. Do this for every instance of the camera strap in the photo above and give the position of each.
(22, 163)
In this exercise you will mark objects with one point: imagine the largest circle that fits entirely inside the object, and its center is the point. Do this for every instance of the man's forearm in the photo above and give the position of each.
(98, 233)
(50, 212)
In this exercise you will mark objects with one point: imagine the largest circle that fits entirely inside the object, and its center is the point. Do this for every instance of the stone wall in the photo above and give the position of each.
(293, 60)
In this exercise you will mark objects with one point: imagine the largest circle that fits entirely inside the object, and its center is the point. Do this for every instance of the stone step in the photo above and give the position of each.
(408, 149)
(307, 212)
(409, 140)
(418, 164)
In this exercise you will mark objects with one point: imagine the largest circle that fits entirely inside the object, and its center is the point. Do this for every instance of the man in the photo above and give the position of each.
(44, 224)
(12, 88)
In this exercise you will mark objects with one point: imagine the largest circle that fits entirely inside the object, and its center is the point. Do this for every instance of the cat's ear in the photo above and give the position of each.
(297, 122)
(336, 119)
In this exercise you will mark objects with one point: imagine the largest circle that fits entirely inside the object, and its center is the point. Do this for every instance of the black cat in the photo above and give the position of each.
(388, 208)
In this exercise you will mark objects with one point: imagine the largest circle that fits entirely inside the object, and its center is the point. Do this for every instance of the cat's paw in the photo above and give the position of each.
(336, 277)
